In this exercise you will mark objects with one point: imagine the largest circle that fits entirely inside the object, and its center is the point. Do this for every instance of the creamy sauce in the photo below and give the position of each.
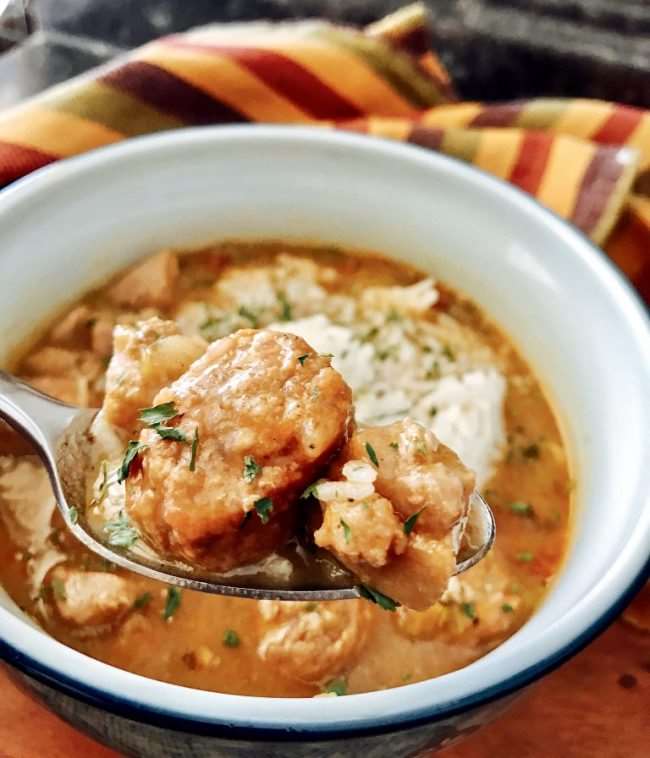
(223, 644)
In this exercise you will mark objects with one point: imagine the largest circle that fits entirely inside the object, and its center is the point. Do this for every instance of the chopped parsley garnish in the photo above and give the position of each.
(244, 312)
(393, 315)
(172, 603)
(303, 358)
(411, 521)
(394, 445)
(195, 447)
(170, 433)
(383, 601)
(120, 532)
(347, 532)
(210, 328)
(309, 491)
(530, 451)
(371, 334)
(311, 607)
(231, 638)
(372, 455)
(448, 353)
(158, 413)
(507, 608)
(469, 609)
(526, 556)
(251, 469)
(327, 355)
(264, 506)
(521, 508)
(132, 450)
(143, 600)
(338, 687)
(73, 514)
(433, 411)
(285, 313)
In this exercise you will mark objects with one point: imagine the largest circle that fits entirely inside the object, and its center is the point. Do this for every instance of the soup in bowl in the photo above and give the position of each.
(456, 320)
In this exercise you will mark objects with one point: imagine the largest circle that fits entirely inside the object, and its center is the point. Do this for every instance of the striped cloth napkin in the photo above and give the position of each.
(587, 160)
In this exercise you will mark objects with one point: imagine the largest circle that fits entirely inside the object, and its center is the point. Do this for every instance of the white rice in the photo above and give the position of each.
(397, 363)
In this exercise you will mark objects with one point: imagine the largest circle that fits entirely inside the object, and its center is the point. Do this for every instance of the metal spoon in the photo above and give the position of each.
(59, 433)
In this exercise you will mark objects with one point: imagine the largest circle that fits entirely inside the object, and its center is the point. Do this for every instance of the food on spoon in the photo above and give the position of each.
(407, 346)
(394, 509)
(251, 423)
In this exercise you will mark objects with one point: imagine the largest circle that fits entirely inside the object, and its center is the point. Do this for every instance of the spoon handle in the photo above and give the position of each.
(39, 417)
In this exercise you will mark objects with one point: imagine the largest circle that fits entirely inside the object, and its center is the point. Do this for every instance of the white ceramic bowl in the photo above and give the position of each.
(67, 228)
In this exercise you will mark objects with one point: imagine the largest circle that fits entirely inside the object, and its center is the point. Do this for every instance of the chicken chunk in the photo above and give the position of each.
(394, 517)
(416, 472)
(91, 600)
(146, 357)
(149, 284)
(478, 608)
(312, 642)
(266, 414)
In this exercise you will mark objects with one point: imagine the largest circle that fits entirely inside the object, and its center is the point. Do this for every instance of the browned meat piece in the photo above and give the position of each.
(149, 284)
(479, 608)
(416, 471)
(391, 512)
(312, 642)
(146, 357)
(269, 414)
(92, 600)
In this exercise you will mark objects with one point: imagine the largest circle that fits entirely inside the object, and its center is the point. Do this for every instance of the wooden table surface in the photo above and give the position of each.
(595, 706)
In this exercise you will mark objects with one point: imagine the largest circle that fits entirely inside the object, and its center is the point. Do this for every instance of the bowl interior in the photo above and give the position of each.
(66, 230)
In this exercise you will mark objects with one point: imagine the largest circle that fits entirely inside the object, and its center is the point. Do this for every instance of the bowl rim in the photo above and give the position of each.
(329, 718)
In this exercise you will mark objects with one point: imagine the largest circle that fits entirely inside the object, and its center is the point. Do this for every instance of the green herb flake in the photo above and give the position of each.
(302, 359)
(132, 450)
(530, 451)
(245, 519)
(285, 312)
(370, 335)
(158, 413)
(309, 491)
(251, 469)
(173, 602)
(411, 521)
(383, 601)
(326, 355)
(521, 508)
(244, 312)
(507, 608)
(394, 445)
(448, 353)
(433, 411)
(311, 607)
(407, 677)
(372, 454)
(347, 532)
(526, 556)
(121, 533)
(195, 447)
(143, 600)
(170, 433)
(210, 329)
(73, 514)
(264, 507)
(231, 638)
(469, 609)
(338, 687)
(58, 589)
(393, 315)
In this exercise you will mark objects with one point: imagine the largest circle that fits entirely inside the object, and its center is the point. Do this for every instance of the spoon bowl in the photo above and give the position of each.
(61, 436)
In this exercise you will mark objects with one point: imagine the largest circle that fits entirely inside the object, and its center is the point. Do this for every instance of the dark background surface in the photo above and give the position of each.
(495, 49)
